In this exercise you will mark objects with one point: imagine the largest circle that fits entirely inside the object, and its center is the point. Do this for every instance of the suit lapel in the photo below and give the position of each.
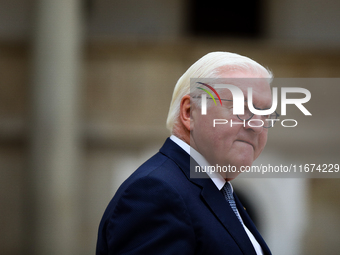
(213, 198)
(217, 203)
(251, 226)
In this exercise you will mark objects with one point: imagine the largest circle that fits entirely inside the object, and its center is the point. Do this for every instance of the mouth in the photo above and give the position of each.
(243, 141)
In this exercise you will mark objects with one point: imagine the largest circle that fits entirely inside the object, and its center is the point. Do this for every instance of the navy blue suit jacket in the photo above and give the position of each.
(159, 209)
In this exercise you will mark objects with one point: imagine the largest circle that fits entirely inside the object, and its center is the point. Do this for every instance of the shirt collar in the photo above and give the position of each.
(217, 179)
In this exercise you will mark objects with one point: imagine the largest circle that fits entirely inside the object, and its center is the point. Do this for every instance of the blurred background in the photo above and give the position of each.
(85, 88)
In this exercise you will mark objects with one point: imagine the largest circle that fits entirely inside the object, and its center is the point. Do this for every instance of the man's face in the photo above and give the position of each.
(224, 145)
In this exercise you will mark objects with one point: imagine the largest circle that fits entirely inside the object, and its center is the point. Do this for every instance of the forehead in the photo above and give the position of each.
(261, 91)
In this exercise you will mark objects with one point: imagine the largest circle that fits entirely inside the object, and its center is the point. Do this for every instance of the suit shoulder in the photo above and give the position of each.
(157, 167)
(157, 173)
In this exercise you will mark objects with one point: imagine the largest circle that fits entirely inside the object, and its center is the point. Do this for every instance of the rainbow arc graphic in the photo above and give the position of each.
(209, 93)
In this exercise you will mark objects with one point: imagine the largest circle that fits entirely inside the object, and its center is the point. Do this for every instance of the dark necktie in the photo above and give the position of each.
(228, 194)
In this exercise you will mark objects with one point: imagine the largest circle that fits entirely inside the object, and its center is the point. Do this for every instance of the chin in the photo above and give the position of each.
(243, 162)
(231, 176)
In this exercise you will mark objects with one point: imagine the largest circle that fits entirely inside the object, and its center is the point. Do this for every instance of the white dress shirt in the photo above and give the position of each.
(217, 179)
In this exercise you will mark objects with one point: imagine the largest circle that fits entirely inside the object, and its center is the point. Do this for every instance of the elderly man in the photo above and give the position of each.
(161, 208)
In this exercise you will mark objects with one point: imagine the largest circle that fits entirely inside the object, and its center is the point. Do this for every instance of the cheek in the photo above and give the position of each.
(226, 145)
(262, 143)
(224, 134)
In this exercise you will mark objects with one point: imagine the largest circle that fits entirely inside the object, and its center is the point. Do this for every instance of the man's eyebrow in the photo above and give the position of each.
(255, 105)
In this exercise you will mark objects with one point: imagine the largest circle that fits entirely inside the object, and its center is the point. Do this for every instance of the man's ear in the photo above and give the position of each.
(184, 113)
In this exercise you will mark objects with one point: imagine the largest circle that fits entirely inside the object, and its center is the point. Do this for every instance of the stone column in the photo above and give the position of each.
(54, 140)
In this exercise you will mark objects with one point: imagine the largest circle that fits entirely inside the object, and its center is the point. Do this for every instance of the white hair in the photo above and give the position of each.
(207, 67)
